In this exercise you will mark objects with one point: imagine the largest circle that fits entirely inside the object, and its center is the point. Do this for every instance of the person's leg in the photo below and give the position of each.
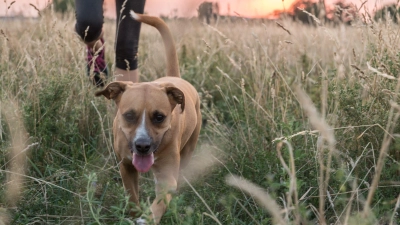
(127, 40)
(89, 26)
(89, 20)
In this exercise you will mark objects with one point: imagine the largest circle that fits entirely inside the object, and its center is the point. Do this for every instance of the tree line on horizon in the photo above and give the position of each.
(308, 11)
(337, 12)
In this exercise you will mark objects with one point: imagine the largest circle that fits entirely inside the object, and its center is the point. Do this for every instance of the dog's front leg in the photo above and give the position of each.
(130, 179)
(164, 187)
(166, 177)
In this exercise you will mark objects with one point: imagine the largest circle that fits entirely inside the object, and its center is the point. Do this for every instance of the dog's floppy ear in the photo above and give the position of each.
(175, 95)
(113, 90)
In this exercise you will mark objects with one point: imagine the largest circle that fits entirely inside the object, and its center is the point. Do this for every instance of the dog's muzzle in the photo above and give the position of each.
(142, 145)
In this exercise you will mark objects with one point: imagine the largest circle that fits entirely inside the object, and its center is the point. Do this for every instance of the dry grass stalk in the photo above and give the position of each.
(4, 35)
(349, 204)
(311, 15)
(227, 40)
(362, 4)
(387, 139)
(304, 132)
(105, 139)
(247, 211)
(323, 187)
(281, 26)
(397, 206)
(293, 193)
(35, 8)
(212, 215)
(261, 196)
(387, 76)
(9, 6)
(315, 119)
(17, 155)
(327, 135)
(324, 94)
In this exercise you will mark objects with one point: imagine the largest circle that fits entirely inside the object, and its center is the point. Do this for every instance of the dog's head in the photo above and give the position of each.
(144, 115)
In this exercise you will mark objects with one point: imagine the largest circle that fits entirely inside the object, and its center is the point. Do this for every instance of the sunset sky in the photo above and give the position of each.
(187, 8)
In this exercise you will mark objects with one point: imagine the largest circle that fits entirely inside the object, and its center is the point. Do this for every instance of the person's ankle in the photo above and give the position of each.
(126, 75)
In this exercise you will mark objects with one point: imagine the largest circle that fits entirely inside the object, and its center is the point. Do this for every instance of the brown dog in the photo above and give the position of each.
(156, 127)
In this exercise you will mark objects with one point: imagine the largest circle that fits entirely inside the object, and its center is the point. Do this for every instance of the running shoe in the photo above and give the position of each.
(97, 66)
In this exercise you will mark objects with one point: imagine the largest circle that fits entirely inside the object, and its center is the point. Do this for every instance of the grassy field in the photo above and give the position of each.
(302, 124)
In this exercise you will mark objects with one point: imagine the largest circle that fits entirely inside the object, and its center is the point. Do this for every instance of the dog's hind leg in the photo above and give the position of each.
(187, 150)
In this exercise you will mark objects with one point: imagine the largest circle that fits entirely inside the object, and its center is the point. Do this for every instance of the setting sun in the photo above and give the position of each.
(258, 8)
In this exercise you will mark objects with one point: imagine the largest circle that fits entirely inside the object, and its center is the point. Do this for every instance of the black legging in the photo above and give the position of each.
(89, 24)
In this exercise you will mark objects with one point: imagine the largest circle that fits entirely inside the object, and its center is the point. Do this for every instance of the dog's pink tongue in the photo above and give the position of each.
(143, 162)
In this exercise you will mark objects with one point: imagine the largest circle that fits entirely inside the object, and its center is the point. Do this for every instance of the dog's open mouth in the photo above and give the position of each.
(143, 160)
(143, 163)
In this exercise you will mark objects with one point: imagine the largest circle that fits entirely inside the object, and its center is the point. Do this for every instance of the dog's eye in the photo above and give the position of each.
(158, 118)
(130, 117)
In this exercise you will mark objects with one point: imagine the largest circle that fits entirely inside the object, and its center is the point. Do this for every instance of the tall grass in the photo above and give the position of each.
(302, 126)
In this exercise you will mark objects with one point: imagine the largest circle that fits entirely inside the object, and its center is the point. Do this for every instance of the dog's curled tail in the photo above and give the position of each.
(170, 51)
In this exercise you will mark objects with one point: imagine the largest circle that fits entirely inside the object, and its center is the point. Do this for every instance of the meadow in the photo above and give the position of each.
(301, 124)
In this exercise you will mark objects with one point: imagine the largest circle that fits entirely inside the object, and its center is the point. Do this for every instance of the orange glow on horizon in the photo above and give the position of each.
(185, 8)
(260, 8)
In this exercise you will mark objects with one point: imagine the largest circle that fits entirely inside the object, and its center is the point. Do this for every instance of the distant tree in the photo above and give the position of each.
(387, 12)
(63, 6)
(205, 11)
(343, 12)
(208, 10)
(311, 6)
(305, 10)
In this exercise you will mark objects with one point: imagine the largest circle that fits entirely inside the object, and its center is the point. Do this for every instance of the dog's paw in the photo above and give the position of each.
(141, 221)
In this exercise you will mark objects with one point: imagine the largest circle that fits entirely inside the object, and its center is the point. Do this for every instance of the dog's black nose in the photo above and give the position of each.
(142, 145)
